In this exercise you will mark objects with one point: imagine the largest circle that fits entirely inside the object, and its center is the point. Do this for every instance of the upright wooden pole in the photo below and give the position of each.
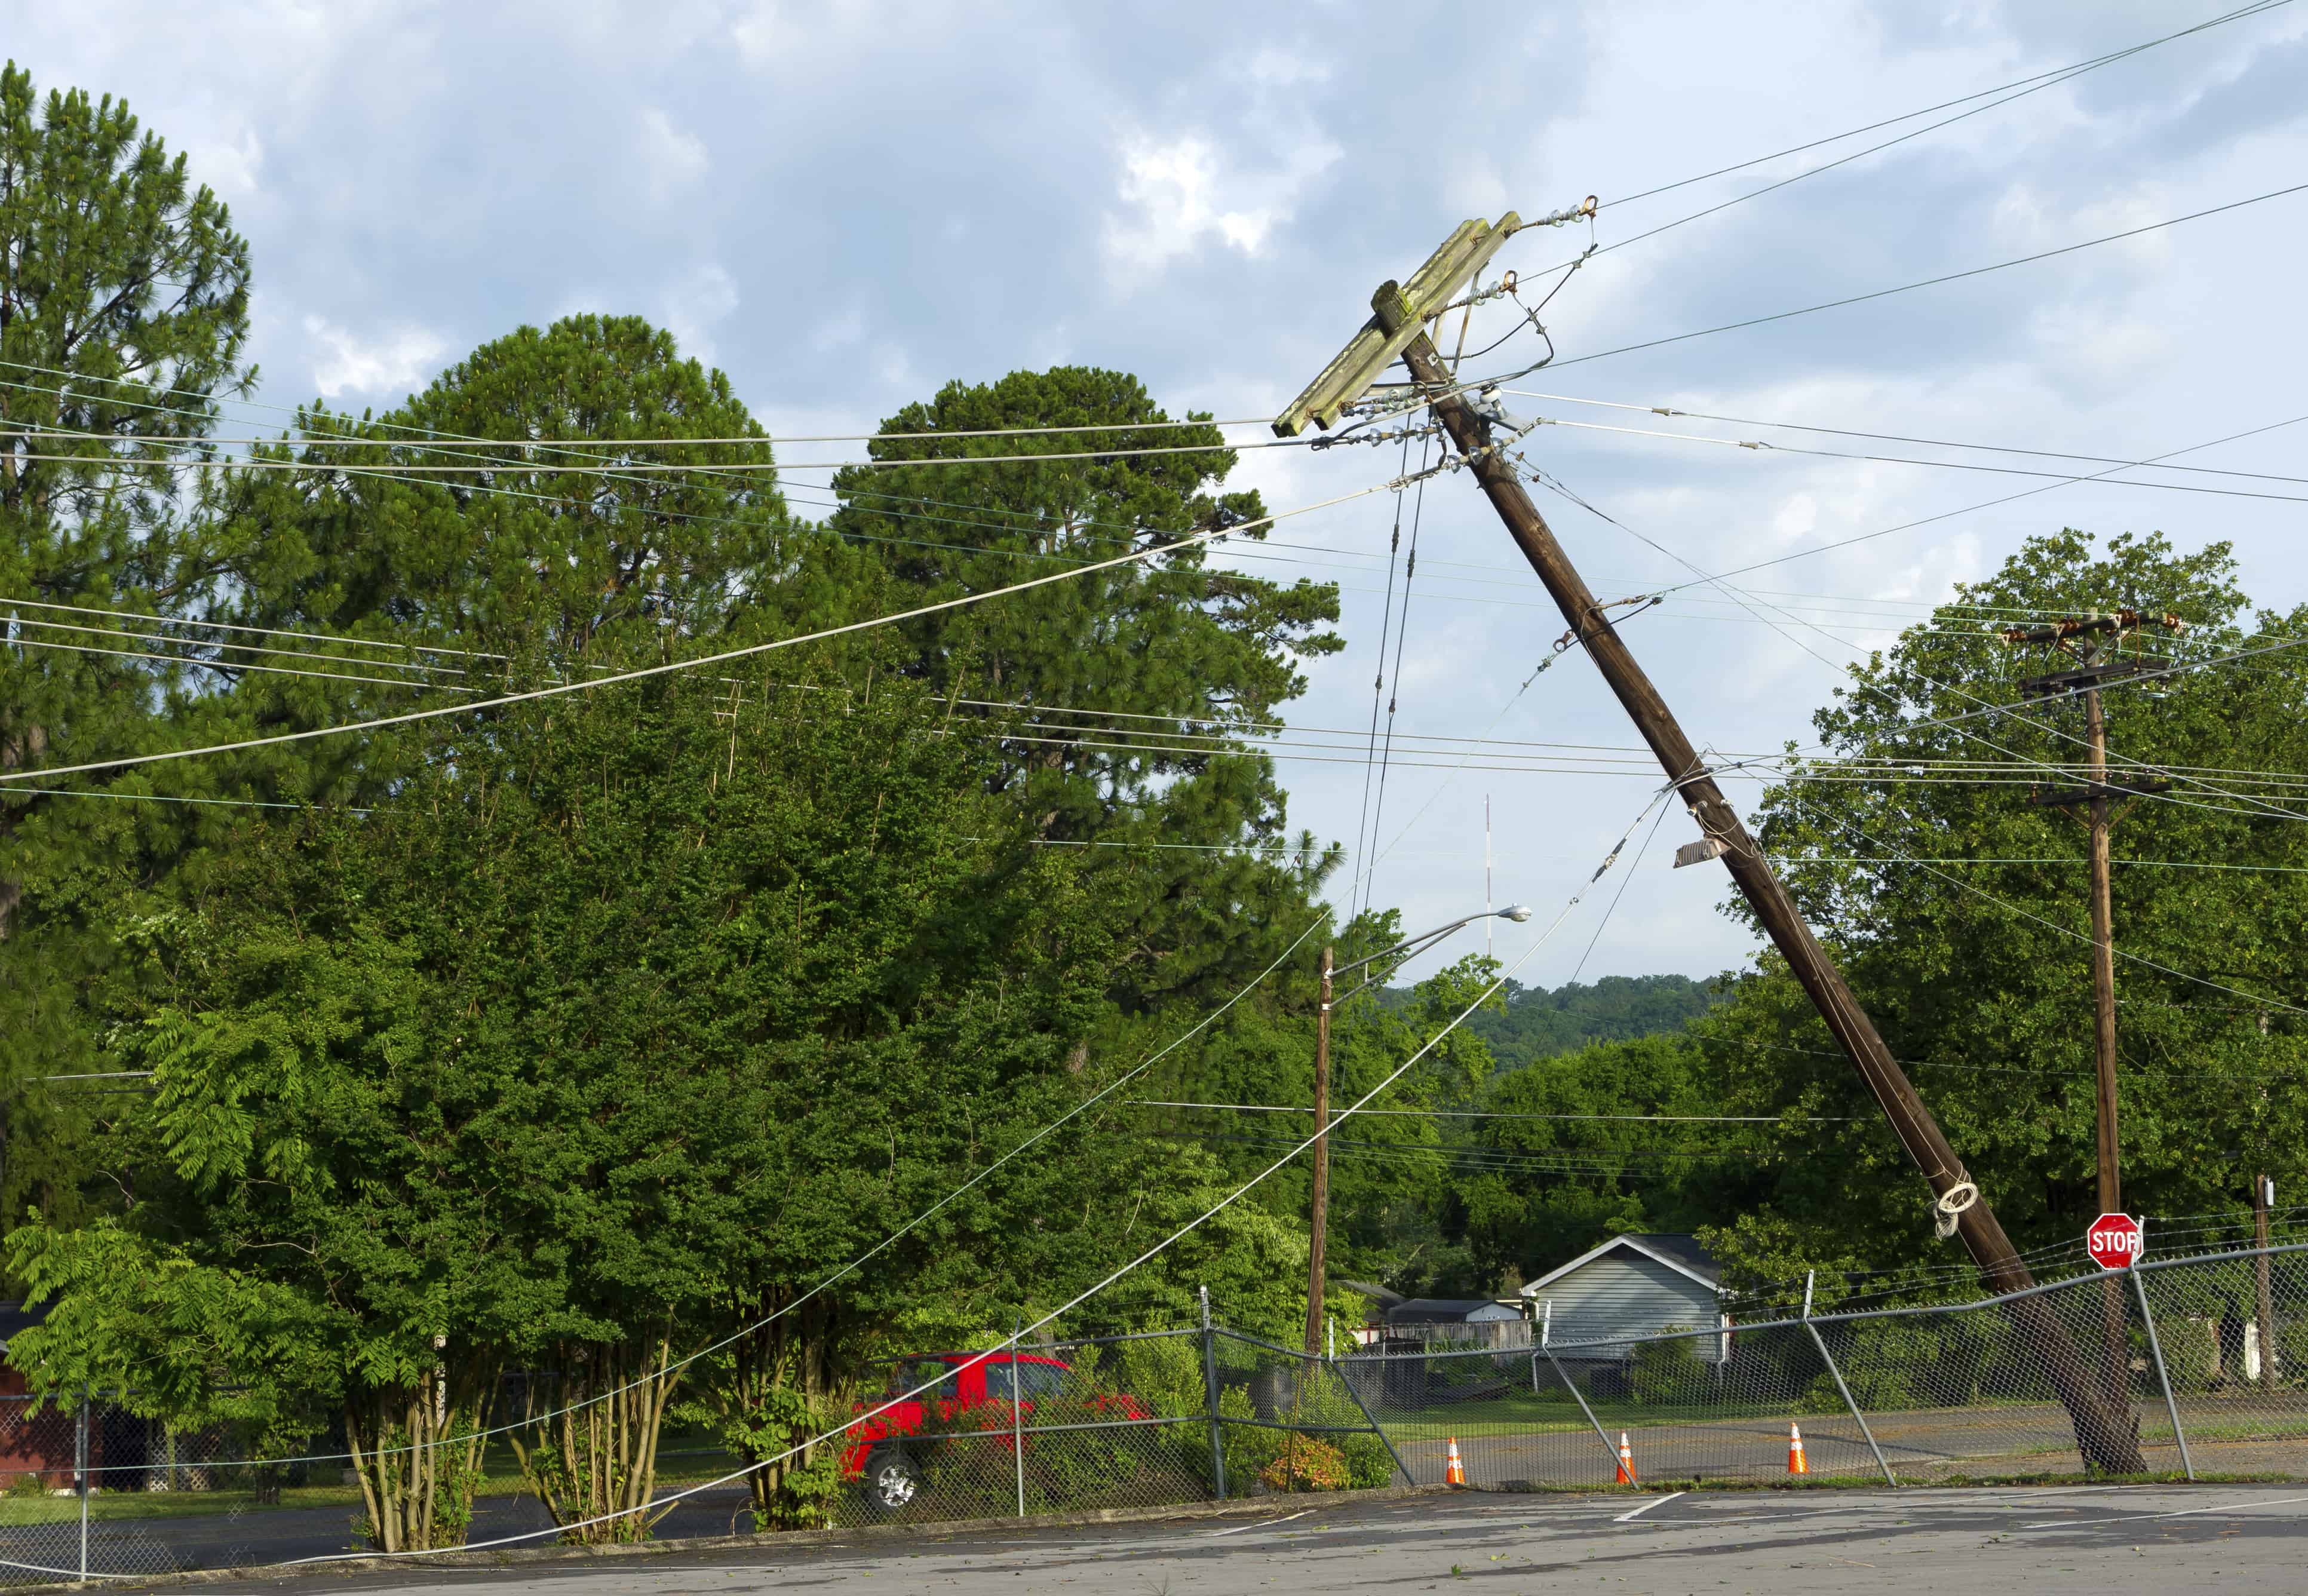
(1319, 1221)
(2103, 924)
(2106, 1441)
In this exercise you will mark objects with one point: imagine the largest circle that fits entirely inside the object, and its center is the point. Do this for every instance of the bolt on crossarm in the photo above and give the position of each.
(2106, 1439)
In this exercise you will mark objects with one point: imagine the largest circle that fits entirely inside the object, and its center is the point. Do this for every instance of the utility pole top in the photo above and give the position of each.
(1378, 346)
(2059, 633)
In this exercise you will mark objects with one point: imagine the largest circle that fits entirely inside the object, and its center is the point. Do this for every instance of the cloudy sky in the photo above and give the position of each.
(845, 205)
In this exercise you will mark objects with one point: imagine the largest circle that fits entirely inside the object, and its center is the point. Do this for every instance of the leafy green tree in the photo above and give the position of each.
(124, 314)
(619, 1026)
(1598, 1156)
(1961, 911)
(1391, 1173)
(1540, 1024)
(1119, 701)
(525, 505)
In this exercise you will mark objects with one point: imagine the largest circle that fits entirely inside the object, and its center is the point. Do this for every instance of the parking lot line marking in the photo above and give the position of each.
(1260, 1524)
(2087, 1523)
(1646, 1507)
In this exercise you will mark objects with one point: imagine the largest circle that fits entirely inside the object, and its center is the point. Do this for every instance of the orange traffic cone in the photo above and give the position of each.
(1454, 1472)
(1797, 1462)
(1626, 1461)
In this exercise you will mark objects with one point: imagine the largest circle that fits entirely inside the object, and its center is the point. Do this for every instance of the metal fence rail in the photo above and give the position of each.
(2201, 1361)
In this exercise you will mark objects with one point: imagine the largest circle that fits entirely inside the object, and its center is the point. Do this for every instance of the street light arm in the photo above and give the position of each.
(1419, 944)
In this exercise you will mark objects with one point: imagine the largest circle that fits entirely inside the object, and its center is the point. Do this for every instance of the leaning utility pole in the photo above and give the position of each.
(2107, 1440)
(2080, 638)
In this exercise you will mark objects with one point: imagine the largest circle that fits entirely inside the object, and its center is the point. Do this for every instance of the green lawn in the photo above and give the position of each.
(502, 1479)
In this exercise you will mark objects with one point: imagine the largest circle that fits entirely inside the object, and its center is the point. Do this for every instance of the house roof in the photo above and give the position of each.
(1682, 1254)
(1436, 1310)
(14, 1317)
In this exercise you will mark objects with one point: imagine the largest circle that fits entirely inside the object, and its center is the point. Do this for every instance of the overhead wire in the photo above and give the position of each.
(1926, 111)
(2017, 90)
(721, 656)
(1896, 437)
(1945, 277)
(2062, 479)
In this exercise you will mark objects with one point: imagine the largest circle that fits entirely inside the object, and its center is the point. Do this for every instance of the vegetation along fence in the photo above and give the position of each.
(2194, 1366)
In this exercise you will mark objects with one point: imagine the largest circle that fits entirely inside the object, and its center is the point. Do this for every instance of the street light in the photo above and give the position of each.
(1410, 947)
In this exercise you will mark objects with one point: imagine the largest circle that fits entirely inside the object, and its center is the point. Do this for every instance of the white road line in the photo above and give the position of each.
(1260, 1524)
(2090, 1523)
(1630, 1517)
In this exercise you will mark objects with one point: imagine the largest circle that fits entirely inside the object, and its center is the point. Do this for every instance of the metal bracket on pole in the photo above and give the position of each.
(2156, 1349)
(1544, 1338)
(1210, 1394)
(1828, 1358)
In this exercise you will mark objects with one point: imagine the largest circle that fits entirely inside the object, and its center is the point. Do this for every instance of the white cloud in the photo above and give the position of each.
(386, 365)
(1279, 68)
(692, 306)
(1180, 195)
(675, 159)
(227, 165)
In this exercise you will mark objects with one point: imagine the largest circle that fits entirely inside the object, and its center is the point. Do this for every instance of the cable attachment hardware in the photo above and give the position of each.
(1583, 211)
(1951, 1204)
(1491, 408)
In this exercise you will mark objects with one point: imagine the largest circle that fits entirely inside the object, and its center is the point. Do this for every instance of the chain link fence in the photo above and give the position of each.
(2182, 1367)
(2194, 1367)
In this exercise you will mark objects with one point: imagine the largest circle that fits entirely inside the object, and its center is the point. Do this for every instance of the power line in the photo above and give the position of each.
(2025, 914)
(1926, 111)
(84, 648)
(739, 469)
(1896, 437)
(2021, 90)
(557, 689)
(241, 647)
(1478, 1114)
(2064, 479)
(2137, 864)
(2043, 254)
(303, 412)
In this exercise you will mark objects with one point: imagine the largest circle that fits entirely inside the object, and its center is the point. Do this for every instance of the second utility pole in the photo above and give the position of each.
(2080, 639)
(2106, 1438)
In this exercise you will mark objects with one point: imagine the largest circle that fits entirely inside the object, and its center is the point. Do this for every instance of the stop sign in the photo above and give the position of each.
(2114, 1242)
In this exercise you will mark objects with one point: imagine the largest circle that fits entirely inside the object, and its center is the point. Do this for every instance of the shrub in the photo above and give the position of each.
(1663, 1371)
(1307, 1465)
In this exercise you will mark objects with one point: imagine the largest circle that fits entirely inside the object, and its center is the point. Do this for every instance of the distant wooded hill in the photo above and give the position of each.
(1539, 1023)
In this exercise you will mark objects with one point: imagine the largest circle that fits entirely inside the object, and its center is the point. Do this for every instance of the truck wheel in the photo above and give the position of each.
(892, 1481)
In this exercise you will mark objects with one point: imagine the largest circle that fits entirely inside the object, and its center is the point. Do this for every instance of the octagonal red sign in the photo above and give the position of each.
(2115, 1241)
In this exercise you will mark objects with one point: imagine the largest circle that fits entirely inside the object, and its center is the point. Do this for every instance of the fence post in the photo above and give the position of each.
(1546, 1340)
(80, 1461)
(1210, 1395)
(2162, 1376)
(1017, 1416)
(1377, 1428)
(1828, 1358)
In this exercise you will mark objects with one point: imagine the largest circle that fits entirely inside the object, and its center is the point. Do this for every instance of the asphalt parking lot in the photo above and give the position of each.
(2037, 1542)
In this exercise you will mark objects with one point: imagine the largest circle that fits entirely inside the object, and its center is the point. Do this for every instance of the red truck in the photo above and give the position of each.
(969, 1391)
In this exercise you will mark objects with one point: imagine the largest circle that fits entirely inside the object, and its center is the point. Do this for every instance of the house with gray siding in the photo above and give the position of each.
(1634, 1286)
